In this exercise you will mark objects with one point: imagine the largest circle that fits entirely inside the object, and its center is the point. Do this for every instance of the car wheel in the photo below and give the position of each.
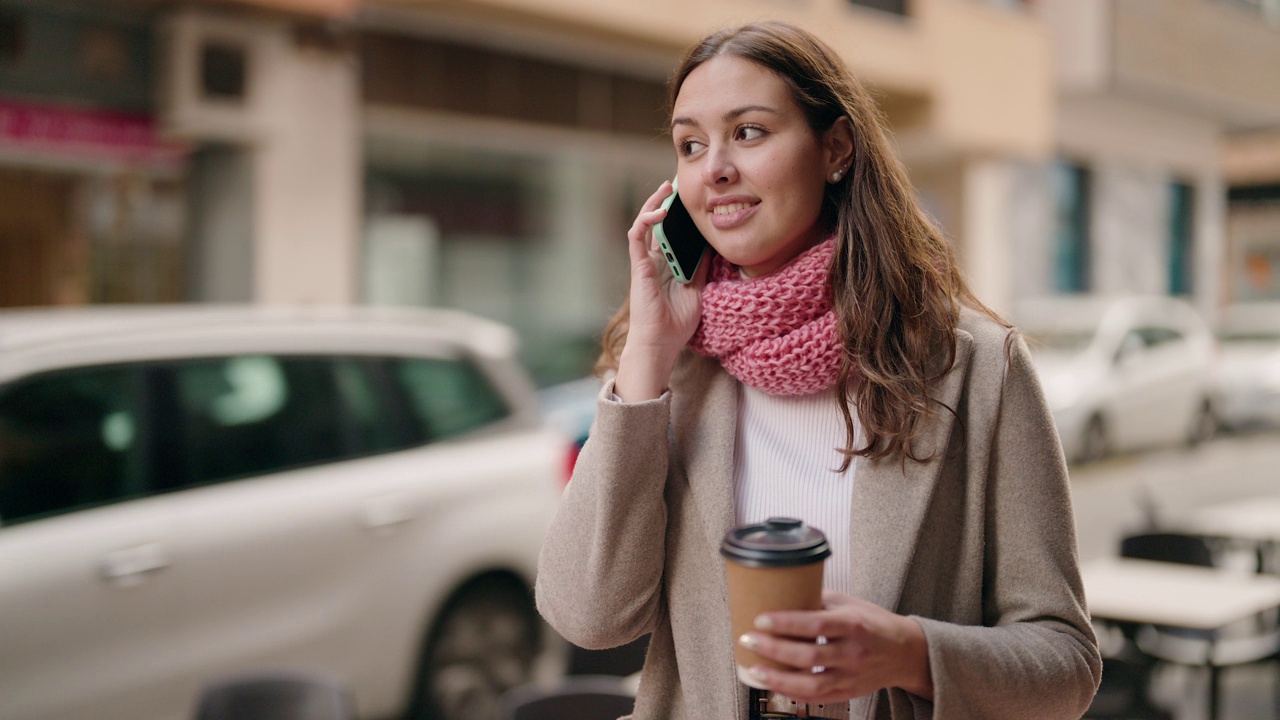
(1205, 425)
(1093, 445)
(484, 643)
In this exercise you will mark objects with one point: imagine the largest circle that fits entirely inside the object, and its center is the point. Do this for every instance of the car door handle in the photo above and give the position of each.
(384, 513)
(134, 565)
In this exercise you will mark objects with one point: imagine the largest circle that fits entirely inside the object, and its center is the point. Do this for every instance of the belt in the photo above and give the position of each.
(766, 704)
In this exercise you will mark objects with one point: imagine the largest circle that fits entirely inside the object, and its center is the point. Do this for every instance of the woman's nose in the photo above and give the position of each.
(719, 168)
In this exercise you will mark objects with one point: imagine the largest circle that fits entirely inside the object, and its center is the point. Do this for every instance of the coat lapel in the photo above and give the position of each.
(704, 442)
(890, 501)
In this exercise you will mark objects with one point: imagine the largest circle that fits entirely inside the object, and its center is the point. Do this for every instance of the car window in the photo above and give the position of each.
(448, 397)
(70, 440)
(1156, 336)
(1132, 343)
(254, 414)
(374, 424)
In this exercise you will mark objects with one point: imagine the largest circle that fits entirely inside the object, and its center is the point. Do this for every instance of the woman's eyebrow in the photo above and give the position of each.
(736, 112)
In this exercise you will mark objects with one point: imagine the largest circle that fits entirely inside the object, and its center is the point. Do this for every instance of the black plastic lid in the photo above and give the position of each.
(777, 542)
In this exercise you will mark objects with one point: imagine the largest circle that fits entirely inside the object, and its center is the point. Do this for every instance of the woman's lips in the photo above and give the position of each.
(726, 215)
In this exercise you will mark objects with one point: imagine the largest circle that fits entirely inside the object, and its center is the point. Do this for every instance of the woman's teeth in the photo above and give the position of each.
(730, 209)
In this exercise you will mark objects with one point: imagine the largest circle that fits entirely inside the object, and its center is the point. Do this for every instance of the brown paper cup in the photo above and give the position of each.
(754, 590)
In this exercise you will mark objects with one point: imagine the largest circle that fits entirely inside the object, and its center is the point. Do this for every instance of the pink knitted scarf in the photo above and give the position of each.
(775, 333)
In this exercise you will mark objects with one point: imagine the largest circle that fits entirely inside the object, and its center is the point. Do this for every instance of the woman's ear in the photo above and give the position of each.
(838, 146)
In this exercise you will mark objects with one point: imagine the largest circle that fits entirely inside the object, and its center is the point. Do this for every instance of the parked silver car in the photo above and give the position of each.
(193, 492)
(1248, 378)
(1122, 374)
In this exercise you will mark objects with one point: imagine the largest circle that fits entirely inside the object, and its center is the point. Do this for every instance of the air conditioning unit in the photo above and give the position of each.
(214, 78)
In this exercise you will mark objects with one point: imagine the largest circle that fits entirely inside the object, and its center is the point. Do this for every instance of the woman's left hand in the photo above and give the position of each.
(867, 648)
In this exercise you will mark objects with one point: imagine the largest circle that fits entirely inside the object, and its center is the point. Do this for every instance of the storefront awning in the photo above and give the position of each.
(320, 8)
(62, 135)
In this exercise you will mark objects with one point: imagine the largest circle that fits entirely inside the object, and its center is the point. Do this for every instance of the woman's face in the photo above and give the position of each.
(752, 173)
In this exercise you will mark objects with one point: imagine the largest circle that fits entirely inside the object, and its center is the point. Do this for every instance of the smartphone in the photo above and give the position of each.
(680, 240)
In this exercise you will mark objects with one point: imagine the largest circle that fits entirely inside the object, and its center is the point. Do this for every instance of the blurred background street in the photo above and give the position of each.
(299, 301)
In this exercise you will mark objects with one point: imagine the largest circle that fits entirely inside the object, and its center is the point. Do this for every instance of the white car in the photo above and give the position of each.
(188, 493)
(1248, 379)
(1122, 374)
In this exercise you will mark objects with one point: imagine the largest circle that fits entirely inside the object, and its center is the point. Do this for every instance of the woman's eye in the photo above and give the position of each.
(750, 132)
(689, 147)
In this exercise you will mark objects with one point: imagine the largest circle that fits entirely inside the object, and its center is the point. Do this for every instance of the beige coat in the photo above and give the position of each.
(978, 544)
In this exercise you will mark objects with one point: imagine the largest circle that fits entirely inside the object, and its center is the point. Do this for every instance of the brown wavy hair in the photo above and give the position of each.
(896, 286)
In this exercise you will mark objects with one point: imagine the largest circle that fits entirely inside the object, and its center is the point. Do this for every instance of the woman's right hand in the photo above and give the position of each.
(664, 313)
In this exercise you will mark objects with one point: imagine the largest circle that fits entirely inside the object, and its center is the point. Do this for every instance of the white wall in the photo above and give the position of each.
(1031, 230)
(307, 172)
(988, 231)
(1081, 33)
(1113, 129)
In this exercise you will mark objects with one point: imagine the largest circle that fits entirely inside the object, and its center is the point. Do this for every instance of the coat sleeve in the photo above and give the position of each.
(600, 570)
(1035, 654)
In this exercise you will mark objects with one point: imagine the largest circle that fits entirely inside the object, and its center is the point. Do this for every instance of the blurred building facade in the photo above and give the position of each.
(489, 154)
(91, 199)
(1147, 92)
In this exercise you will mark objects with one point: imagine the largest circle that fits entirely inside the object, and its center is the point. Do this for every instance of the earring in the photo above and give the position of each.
(835, 176)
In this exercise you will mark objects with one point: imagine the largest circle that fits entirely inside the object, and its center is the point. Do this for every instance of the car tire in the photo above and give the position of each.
(1093, 442)
(485, 642)
(1205, 425)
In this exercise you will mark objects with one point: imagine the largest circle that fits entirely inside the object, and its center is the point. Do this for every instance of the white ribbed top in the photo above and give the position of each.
(786, 462)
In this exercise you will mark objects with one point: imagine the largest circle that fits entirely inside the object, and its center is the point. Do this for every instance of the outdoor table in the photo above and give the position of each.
(1256, 519)
(1174, 595)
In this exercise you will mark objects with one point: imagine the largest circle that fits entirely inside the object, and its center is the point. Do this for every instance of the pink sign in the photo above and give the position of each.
(52, 130)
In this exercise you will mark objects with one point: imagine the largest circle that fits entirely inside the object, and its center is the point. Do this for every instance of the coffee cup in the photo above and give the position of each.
(774, 565)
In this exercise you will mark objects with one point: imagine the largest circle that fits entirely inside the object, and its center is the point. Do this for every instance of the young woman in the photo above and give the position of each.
(828, 363)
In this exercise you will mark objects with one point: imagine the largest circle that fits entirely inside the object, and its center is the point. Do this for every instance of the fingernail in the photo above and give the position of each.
(758, 674)
(748, 641)
(764, 622)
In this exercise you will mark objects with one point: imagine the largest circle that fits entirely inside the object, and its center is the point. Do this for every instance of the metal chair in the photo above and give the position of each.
(275, 696)
(1253, 640)
(1168, 547)
(577, 697)
(1122, 694)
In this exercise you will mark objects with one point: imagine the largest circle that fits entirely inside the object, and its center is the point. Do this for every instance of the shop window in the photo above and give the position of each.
(12, 32)
(1072, 185)
(1181, 239)
(104, 54)
(88, 54)
(134, 225)
(1255, 236)
(483, 220)
(223, 71)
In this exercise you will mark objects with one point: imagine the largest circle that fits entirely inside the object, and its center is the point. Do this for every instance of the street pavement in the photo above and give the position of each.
(1126, 493)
